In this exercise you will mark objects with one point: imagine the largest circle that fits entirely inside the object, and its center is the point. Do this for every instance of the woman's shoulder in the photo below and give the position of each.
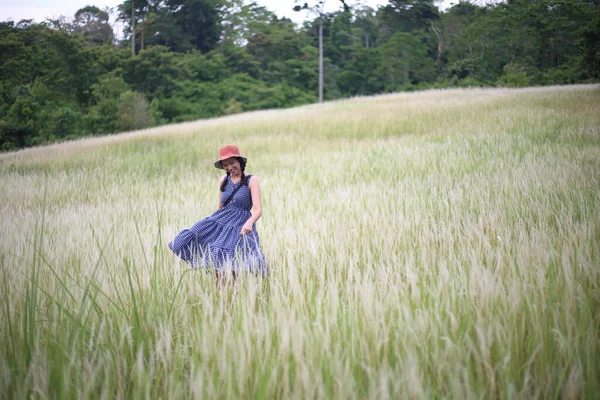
(251, 181)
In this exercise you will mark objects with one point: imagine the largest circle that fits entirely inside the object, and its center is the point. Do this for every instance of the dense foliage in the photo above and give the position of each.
(191, 59)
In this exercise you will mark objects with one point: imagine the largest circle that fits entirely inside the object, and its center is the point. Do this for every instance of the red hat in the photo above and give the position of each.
(226, 152)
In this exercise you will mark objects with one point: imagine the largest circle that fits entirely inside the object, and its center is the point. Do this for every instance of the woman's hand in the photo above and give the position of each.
(247, 228)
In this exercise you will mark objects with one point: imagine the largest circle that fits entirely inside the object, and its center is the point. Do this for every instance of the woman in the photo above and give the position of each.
(227, 240)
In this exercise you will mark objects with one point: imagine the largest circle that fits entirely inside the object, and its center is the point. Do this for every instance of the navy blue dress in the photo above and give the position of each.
(215, 241)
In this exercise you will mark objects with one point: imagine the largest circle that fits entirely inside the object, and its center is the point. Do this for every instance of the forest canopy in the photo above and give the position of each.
(180, 60)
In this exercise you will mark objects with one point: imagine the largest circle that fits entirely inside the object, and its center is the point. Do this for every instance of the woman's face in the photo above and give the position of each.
(232, 165)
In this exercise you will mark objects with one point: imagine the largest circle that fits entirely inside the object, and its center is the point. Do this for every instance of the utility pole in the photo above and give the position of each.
(132, 29)
(318, 8)
(321, 55)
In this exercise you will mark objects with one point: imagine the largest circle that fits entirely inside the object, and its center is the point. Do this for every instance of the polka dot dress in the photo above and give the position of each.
(215, 241)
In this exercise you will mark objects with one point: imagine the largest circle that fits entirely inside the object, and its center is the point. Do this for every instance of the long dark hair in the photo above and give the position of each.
(242, 167)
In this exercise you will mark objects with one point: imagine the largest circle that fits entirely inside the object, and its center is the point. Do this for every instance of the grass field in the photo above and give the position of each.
(441, 244)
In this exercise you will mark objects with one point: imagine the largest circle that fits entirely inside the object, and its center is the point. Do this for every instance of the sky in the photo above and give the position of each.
(39, 10)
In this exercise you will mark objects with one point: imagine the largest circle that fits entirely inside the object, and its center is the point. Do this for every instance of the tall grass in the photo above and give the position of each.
(423, 245)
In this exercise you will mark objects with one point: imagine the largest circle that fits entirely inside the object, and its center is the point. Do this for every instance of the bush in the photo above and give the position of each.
(133, 112)
(66, 123)
(102, 115)
(233, 107)
(14, 136)
(469, 82)
(567, 74)
(515, 75)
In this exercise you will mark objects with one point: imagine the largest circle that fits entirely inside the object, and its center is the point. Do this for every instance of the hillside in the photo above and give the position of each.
(421, 245)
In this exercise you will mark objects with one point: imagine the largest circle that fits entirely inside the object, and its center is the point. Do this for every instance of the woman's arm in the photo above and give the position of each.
(256, 205)
(220, 205)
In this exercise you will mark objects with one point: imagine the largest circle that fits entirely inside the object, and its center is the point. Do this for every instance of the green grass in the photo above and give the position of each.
(441, 244)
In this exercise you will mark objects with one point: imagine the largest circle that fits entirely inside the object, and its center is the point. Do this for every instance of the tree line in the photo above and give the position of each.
(181, 60)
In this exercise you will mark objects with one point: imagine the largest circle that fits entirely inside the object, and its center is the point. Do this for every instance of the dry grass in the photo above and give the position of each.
(434, 244)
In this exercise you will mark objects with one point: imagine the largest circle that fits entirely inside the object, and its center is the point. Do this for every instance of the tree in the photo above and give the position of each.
(131, 12)
(362, 75)
(273, 48)
(203, 58)
(133, 112)
(154, 72)
(180, 25)
(198, 21)
(93, 23)
(365, 21)
(404, 61)
(102, 114)
(590, 46)
(241, 20)
(410, 15)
